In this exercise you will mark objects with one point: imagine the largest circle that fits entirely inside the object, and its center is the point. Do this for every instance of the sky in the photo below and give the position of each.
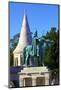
(41, 17)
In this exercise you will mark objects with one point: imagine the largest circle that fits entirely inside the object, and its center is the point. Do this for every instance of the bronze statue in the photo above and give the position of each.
(33, 54)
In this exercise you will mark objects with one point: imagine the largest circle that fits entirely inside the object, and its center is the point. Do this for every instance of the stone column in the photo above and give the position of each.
(21, 82)
(33, 81)
(24, 82)
(47, 79)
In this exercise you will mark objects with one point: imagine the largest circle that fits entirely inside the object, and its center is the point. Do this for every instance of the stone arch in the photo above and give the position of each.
(27, 81)
(40, 81)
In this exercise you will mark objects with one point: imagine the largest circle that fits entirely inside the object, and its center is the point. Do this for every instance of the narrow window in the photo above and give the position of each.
(16, 61)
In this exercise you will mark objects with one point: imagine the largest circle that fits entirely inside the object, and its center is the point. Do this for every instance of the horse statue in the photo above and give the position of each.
(33, 54)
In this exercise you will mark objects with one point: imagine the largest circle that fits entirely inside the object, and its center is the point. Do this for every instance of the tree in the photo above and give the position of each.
(51, 58)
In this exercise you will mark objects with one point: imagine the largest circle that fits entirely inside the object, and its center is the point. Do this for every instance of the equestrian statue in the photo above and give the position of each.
(33, 55)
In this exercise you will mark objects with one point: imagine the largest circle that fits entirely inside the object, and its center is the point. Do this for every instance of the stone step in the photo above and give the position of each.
(34, 70)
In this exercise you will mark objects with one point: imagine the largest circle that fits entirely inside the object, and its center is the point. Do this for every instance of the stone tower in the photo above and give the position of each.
(24, 40)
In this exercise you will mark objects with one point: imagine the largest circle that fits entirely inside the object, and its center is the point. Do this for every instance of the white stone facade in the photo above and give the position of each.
(24, 40)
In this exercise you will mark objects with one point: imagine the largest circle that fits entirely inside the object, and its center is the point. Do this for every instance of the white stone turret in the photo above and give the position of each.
(24, 40)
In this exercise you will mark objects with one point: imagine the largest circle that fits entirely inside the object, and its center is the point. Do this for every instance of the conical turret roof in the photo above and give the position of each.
(25, 36)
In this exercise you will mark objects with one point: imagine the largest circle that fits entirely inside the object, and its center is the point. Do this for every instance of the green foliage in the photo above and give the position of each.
(51, 58)
(52, 35)
(14, 45)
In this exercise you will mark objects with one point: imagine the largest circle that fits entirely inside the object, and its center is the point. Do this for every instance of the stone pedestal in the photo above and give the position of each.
(34, 76)
(33, 81)
(47, 79)
(21, 83)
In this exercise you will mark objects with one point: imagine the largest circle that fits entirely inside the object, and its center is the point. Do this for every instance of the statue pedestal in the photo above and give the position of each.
(34, 76)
